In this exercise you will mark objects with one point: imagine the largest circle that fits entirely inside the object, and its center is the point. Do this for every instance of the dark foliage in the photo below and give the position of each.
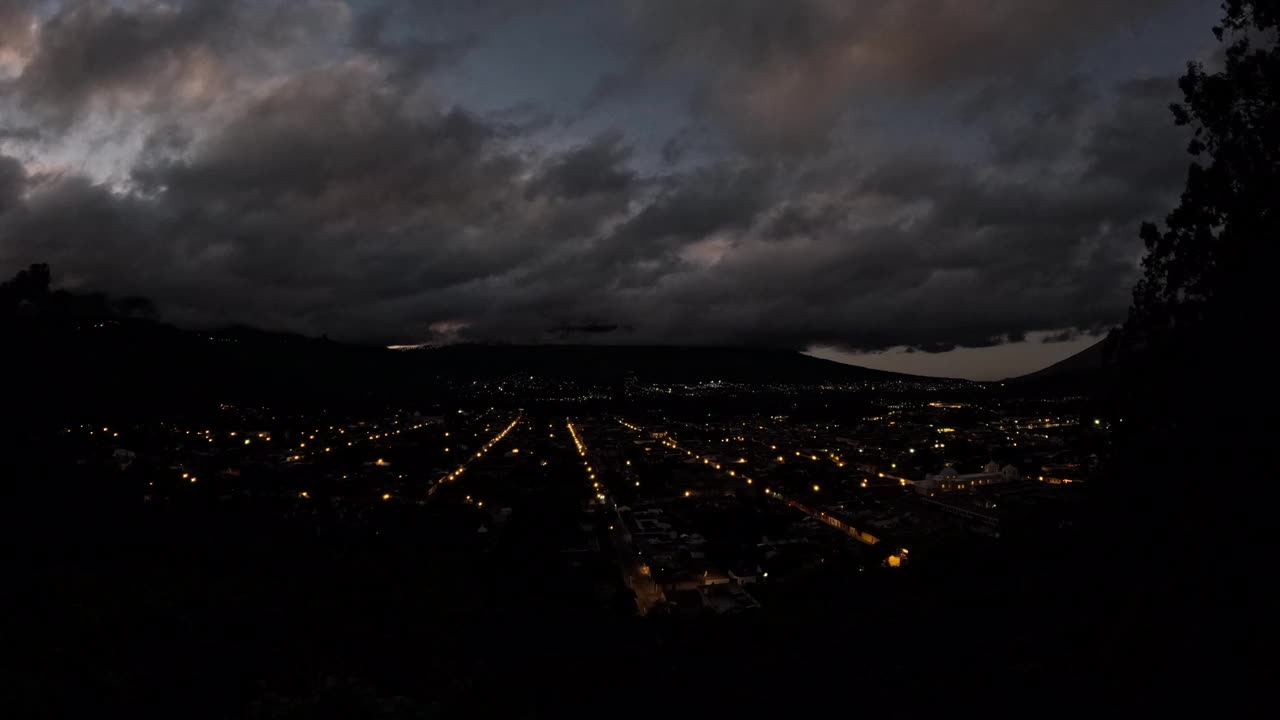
(1194, 385)
(1188, 494)
(1210, 266)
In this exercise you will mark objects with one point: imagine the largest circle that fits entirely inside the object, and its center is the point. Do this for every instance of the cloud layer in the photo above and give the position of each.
(861, 175)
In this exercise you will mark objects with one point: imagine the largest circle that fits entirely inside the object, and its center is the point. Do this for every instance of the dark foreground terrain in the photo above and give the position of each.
(296, 582)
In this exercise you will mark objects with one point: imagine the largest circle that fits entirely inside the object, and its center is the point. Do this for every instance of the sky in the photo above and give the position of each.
(951, 188)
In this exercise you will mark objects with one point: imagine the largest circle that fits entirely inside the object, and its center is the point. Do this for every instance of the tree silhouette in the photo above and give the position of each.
(28, 286)
(1210, 268)
(1195, 379)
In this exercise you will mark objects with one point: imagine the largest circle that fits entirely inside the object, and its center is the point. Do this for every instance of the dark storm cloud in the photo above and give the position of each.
(1040, 133)
(330, 205)
(371, 197)
(1130, 145)
(90, 235)
(322, 178)
(16, 25)
(333, 135)
(693, 206)
(797, 220)
(925, 250)
(780, 74)
(598, 166)
(408, 56)
(93, 49)
(1061, 337)
(20, 133)
(412, 38)
(13, 180)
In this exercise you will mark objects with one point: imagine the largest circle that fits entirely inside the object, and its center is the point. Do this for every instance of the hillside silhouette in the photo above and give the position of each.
(649, 363)
(85, 354)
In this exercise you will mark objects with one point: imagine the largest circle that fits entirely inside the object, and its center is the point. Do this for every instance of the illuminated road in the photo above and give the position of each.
(346, 440)
(634, 571)
(456, 473)
(870, 474)
(739, 472)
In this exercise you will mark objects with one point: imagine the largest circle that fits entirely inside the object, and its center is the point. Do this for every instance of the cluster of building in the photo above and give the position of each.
(698, 512)
(340, 460)
(948, 479)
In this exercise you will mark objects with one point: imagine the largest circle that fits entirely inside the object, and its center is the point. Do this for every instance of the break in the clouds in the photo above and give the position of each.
(858, 175)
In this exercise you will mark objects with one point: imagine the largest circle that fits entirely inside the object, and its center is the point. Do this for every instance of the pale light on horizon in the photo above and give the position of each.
(988, 363)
